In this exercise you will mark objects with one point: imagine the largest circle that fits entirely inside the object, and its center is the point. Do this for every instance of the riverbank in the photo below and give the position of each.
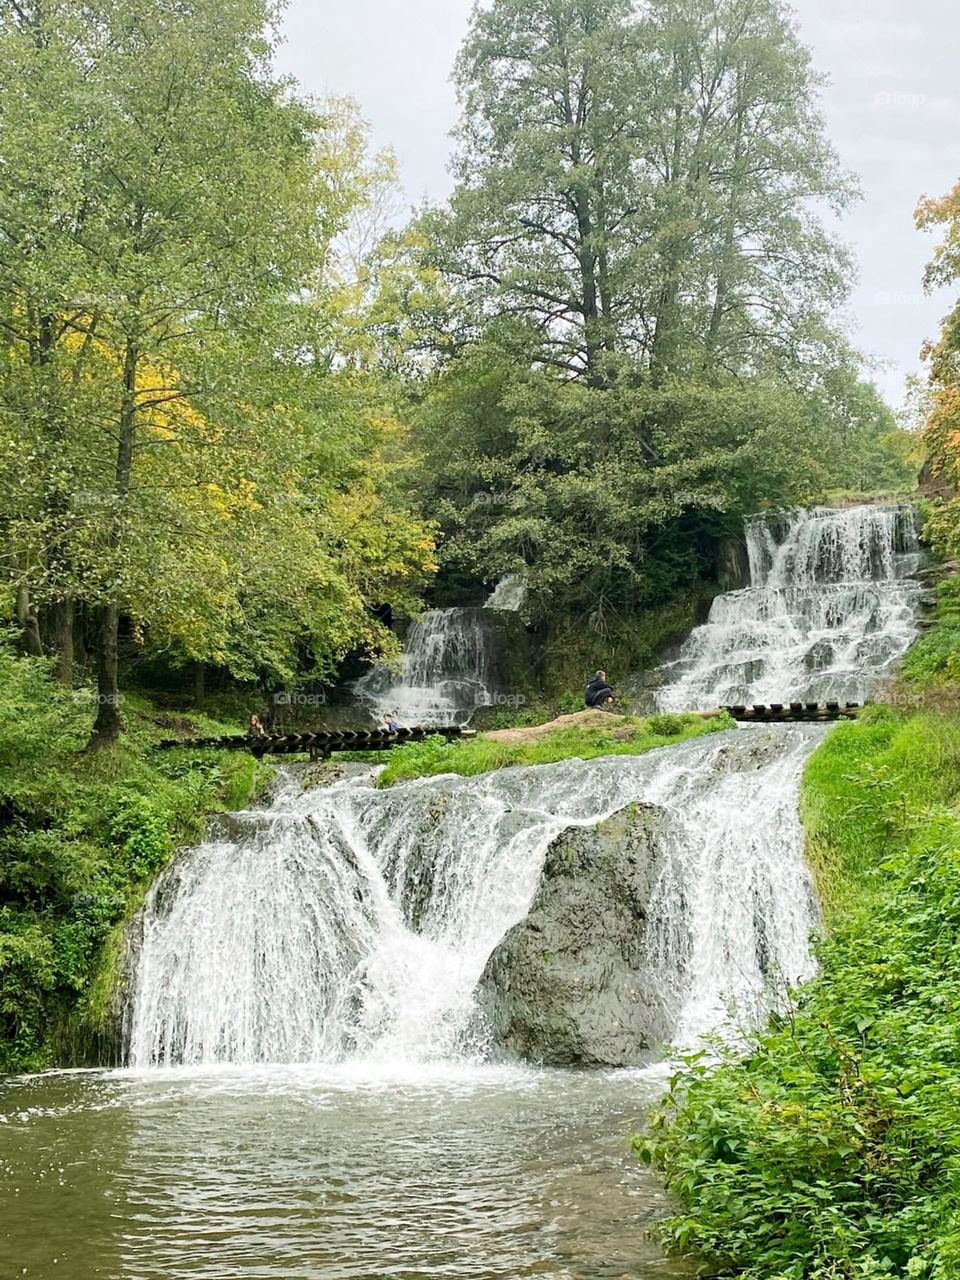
(82, 834)
(583, 736)
(833, 1149)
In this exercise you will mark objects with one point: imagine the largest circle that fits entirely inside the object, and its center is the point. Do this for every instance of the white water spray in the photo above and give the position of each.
(830, 610)
(510, 594)
(352, 923)
(445, 672)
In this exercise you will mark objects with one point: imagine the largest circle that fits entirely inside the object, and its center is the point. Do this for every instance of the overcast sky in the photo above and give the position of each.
(892, 111)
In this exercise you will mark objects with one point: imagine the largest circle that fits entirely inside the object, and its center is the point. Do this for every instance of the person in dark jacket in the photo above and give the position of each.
(599, 692)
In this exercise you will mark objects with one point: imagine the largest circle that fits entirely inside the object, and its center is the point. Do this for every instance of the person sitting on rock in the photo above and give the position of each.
(599, 692)
(256, 729)
(390, 723)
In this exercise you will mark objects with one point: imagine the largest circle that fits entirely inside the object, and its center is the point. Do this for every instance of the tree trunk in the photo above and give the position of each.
(62, 615)
(29, 623)
(108, 724)
(728, 256)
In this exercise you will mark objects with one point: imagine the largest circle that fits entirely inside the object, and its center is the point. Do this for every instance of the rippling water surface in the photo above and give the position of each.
(301, 1173)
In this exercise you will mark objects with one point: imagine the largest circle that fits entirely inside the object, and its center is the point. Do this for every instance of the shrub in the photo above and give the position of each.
(81, 837)
(665, 725)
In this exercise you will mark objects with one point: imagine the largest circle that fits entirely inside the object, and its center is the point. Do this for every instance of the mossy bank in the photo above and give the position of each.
(82, 835)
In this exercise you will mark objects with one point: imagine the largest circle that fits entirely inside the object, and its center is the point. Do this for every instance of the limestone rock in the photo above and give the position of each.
(576, 983)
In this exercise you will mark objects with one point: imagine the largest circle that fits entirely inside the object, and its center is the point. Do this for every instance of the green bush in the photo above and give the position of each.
(833, 1150)
(81, 837)
(666, 725)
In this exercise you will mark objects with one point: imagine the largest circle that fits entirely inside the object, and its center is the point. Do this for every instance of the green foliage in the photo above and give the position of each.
(666, 725)
(81, 837)
(638, 180)
(172, 285)
(627, 736)
(613, 499)
(935, 659)
(642, 300)
(832, 1151)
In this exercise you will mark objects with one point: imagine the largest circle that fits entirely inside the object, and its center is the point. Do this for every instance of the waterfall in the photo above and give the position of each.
(445, 672)
(352, 923)
(510, 594)
(830, 609)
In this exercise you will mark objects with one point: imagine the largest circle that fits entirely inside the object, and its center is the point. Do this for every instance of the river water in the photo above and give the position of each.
(310, 1095)
(297, 1173)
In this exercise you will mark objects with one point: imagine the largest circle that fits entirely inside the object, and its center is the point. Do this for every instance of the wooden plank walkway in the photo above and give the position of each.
(799, 712)
(322, 744)
(318, 744)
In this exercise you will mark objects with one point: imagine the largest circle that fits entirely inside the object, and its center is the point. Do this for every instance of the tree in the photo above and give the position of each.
(644, 185)
(180, 445)
(941, 431)
(619, 494)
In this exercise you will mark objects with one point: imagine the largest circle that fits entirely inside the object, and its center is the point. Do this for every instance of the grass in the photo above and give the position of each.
(934, 661)
(832, 1152)
(631, 736)
(82, 835)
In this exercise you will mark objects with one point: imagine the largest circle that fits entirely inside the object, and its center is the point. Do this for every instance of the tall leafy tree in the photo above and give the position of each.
(941, 430)
(644, 183)
(180, 448)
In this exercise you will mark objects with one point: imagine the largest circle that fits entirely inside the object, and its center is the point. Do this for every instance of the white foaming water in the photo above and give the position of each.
(352, 925)
(510, 594)
(445, 672)
(830, 609)
(355, 923)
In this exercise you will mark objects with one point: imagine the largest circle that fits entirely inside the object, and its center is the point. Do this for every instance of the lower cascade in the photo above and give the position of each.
(403, 926)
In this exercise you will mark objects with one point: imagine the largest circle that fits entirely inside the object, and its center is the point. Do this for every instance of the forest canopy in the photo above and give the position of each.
(241, 401)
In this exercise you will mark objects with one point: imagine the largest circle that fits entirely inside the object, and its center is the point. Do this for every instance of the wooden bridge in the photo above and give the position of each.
(319, 745)
(322, 745)
(779, 713)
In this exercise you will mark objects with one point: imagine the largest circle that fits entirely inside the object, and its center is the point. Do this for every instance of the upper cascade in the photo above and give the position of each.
(446, 672)
(831, 608)
(510, 594)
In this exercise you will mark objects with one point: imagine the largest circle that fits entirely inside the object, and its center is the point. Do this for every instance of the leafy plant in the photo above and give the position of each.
(833, 1149)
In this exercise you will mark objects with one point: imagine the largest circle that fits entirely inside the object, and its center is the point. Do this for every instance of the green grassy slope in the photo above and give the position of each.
(629, 735)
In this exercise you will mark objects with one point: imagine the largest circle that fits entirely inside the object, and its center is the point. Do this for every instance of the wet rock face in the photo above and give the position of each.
(573, 984)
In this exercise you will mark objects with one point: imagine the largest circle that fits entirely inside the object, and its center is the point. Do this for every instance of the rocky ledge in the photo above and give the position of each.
(574, 984)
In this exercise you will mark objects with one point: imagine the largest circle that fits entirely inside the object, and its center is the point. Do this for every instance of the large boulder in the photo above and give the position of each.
(582, 981)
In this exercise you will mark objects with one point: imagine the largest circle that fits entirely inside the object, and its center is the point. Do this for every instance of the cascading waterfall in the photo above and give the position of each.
(353, 923)
(830, 609)
(445, 672)
(510, 594)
